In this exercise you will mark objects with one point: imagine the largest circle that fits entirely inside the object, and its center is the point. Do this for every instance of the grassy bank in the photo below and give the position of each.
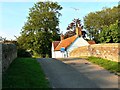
(107, 64)
(24, 73)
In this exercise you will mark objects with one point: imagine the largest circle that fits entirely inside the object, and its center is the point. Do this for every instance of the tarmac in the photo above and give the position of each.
(77, 73)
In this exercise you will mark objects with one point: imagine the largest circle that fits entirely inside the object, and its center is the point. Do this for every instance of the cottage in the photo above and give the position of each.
(61, 49)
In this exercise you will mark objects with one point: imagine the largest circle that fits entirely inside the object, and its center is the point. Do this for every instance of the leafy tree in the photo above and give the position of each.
(41, 28)
(74, 24)
(95, 21)
(2, 39)
(72, 28)
(110, 34)
(69, 34)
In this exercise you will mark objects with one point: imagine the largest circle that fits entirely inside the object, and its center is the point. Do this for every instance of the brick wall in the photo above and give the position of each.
(109, 51)
(8, 52)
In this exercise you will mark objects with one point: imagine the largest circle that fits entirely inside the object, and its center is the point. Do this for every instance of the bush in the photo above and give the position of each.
(23, 53)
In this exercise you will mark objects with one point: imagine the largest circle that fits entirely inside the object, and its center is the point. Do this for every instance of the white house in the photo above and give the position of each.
(61, 49)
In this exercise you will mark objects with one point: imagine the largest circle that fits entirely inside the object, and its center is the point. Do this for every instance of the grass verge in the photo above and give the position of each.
(24, 73)
(107, 64)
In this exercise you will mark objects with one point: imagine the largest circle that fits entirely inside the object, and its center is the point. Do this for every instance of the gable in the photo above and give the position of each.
(77, 43)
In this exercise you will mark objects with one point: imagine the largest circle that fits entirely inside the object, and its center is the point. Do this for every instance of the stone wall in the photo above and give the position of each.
(8, 52)
(109, 51)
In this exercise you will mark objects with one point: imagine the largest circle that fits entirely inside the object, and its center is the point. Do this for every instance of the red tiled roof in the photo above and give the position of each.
(66, 42)
(55, 44)
(91, 42)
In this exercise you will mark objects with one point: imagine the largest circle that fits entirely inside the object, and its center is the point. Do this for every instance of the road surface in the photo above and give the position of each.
(77, 74)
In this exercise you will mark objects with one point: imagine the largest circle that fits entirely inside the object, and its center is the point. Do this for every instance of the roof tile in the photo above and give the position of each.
(55, 44)
(66, 42)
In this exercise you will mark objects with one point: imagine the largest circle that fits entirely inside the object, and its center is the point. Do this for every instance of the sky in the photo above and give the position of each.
(13, 15)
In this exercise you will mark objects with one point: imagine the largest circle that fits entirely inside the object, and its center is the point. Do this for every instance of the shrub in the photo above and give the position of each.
(23, 53)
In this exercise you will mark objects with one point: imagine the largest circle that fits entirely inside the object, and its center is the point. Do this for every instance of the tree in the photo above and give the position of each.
(110, 34)
(95, 21)
(41, 28)
(2, 39)
(69, 34)
(72, 28)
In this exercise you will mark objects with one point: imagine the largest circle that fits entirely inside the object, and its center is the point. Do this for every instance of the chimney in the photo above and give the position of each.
(62, 37)
(78, 31)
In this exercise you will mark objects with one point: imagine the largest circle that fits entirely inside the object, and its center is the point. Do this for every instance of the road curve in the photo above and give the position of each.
(61, 75)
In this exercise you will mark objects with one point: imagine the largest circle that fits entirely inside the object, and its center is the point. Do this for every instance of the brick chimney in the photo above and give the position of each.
(62, 37)
(78, 31)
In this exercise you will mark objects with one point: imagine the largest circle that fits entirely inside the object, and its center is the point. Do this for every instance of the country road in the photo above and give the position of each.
(69, 74)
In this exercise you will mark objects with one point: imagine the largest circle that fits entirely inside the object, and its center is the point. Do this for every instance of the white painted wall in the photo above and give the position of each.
(77, 43)
(58, 54)
(52, 50)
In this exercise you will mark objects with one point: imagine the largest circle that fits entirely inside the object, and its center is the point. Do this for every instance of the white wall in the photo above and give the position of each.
(77, 43)
(52, 50)
(58, 54)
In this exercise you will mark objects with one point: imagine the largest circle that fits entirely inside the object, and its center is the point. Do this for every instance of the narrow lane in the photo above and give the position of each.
(76, 74)
(62, 75)
(103, 78)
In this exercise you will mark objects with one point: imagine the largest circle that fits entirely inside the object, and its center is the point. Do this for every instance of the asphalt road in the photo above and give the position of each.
(71, 74)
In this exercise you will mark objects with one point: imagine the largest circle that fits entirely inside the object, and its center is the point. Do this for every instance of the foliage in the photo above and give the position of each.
(107, 64)
(74, 24)
(2, 39)
(41, 28)
(24, 73)
(72, 28)
(94, 22)
(69, 34)
(23, 53)
(110, 34)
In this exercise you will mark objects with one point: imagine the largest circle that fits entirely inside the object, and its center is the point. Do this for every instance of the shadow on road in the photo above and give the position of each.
(62, 75)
